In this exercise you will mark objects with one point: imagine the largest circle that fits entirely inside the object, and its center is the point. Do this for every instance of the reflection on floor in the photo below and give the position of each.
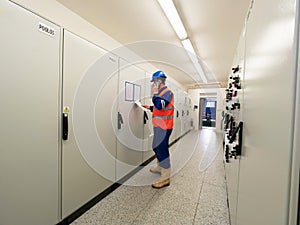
(197, 194)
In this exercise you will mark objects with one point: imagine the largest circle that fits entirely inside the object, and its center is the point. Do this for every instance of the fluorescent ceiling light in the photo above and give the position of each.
(190, 50)
(174, 18)
(192, 54)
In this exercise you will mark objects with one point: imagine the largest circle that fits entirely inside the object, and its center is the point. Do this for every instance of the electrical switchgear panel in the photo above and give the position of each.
(233, 126)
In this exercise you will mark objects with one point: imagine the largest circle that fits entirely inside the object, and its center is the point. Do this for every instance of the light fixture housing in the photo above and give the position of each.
(176, 22)
(192, 54)
(174, 18)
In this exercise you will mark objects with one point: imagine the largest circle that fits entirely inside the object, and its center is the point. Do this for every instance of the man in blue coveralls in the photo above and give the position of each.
(162, 120)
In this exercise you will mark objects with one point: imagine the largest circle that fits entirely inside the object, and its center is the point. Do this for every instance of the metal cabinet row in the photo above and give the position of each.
(263, 174)
(69, 124)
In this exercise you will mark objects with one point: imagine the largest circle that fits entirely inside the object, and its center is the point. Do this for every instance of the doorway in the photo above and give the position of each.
(207, 112)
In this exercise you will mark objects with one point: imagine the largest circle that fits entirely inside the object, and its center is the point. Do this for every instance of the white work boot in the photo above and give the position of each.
(164, 179)
(156, 169)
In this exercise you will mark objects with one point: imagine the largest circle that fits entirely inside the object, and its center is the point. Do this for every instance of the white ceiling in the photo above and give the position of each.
(214, 27)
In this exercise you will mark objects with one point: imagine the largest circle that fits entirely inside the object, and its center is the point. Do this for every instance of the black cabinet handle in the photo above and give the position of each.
(239, 150)
(120, 120)
(145, 117)
(238, 130)
(65, 126)
(227, 153)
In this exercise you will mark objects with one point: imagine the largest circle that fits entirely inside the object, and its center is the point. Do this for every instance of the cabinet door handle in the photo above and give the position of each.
(120, 120)
(65, 126)
(145, 117)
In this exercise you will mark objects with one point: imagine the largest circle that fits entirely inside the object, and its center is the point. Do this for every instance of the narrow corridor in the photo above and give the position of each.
(197, 194)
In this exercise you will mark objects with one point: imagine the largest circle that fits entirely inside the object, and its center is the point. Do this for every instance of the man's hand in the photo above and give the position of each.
(146, 106)
(155, 89)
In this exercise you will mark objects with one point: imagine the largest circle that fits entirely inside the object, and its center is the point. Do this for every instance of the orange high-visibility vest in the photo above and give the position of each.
(164, 118)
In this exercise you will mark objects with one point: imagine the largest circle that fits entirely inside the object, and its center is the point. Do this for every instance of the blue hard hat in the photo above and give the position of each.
(158, 74)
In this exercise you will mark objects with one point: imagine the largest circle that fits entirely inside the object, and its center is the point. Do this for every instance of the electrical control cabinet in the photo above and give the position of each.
(177, 113)
(70, 127)
(85, 153)
(233, 116)
(130, 133)
(263, 176)
(29, 96)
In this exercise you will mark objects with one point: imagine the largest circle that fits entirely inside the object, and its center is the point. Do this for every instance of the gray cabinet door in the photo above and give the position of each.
(29, 130)
(130, 133)
(232, 168)
(264, 171)
(89, 92)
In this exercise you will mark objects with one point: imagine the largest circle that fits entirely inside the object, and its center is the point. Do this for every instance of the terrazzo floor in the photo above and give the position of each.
(197, 194)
